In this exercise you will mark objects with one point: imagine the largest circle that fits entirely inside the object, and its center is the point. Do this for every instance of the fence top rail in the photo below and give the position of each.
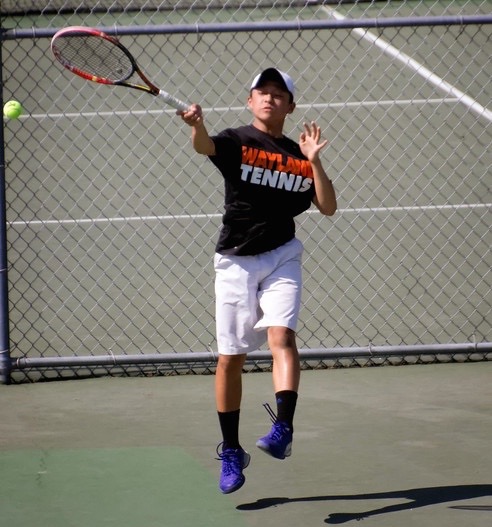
(234, 27)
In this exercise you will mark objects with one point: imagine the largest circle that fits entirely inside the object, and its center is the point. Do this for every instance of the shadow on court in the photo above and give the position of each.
(417, 498)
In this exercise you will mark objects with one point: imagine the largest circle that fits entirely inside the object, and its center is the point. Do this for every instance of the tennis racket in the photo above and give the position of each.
(98, 57)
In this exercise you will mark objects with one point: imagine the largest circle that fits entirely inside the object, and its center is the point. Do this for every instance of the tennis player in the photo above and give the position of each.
(269, 179)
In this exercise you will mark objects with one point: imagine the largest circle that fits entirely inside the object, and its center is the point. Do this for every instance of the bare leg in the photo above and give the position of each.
(228, 382)
(286, 366)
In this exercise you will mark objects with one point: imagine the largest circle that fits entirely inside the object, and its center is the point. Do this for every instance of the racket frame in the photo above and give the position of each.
(149, 87)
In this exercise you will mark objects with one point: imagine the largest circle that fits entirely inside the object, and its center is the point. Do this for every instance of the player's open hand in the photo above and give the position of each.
(310, 141)
(193, 116)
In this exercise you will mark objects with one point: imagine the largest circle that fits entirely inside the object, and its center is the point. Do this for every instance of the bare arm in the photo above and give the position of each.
(310, 142)
(201, 141)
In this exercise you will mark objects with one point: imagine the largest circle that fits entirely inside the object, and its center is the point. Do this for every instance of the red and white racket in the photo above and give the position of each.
(98, 57)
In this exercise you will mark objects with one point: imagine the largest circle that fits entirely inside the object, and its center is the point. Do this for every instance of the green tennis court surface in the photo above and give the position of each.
(393, 446)
(106, 487)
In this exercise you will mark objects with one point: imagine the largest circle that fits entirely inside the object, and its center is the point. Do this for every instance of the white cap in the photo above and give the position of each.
(275, 75)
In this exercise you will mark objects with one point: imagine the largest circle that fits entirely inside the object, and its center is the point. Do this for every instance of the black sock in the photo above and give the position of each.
(286, 406)
(229, 426)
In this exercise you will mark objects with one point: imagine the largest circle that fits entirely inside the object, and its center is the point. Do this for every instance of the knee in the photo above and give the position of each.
(231, 364)
(281, 338)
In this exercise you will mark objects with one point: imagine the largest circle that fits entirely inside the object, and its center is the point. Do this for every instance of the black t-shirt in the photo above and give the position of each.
(268, 181)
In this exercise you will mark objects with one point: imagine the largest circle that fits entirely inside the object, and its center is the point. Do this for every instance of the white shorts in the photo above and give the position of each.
(254, 293)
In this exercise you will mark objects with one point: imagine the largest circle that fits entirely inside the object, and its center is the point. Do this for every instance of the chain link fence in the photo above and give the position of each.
(112, 219)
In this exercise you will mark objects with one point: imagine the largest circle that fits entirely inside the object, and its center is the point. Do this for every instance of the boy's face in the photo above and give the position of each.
(270, 102)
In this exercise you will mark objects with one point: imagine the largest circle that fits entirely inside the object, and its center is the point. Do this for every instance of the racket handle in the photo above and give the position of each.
(172, 101)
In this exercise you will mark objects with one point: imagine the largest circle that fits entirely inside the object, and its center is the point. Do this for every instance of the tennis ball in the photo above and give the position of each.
(12, 109)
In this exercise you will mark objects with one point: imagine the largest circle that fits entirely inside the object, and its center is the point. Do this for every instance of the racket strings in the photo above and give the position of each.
(95, 56)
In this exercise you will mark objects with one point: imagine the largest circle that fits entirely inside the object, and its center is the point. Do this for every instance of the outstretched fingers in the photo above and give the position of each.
(310, 141)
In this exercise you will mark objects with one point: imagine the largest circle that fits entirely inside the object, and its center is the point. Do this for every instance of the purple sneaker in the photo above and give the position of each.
(278, 443)
(234, 460)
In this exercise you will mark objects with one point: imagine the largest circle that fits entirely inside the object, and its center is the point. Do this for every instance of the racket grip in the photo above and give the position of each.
(172, 101)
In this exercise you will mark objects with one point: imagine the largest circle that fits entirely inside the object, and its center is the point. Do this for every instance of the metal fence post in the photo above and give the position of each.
(4, 303)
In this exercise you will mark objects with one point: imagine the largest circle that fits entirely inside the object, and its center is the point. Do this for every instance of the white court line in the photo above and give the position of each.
(170, 217)
(324, 106)
(434, 79)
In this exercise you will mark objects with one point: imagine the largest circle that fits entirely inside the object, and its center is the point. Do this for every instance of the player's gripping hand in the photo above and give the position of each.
(193, 116)
(201, 141)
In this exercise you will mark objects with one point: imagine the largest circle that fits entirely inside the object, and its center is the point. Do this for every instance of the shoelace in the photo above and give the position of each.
(221, 455)
(279, 429)
(271, 413)
(231, 463)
